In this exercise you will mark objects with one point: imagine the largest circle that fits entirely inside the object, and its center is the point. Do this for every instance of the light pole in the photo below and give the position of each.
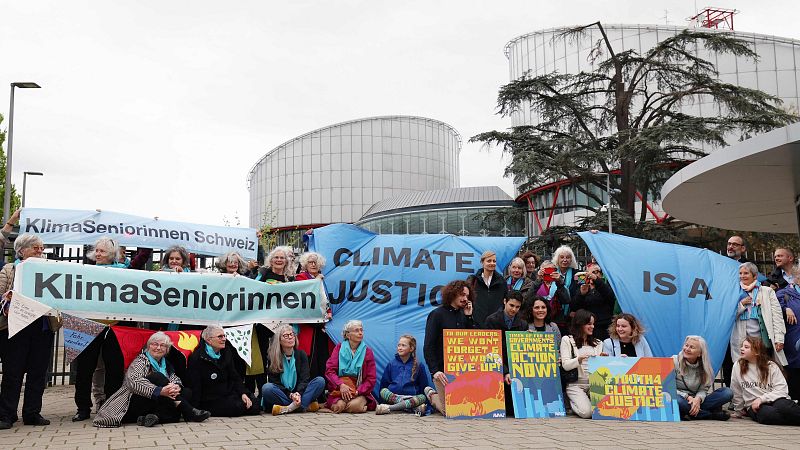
(24, 183)
(7, 196)
(608, 193)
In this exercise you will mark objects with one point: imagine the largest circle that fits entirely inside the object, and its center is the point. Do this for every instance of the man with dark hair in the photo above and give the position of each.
(508, 319)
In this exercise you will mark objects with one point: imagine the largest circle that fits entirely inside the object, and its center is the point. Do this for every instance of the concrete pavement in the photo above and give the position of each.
(319, 430)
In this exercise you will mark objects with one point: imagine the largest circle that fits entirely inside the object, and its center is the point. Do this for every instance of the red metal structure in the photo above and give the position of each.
(717, 18)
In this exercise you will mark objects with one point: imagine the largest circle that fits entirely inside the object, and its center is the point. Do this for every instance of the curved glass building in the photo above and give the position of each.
(557, 202)
(335, 173)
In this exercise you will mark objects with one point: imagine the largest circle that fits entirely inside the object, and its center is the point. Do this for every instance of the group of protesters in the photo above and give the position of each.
(300, 371)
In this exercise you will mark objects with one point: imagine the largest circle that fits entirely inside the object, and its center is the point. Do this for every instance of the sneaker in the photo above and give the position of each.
(313, 407)
(36, 420)
(720, 415)
(147, 421)
(382, 409)
(421, 410)
(278, 410)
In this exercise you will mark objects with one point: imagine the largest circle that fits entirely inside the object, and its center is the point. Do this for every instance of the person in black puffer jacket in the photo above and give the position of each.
(489, 288)
(216, 385)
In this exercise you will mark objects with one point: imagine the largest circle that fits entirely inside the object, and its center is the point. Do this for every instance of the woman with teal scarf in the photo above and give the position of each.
(152, 393)
(288, 387)
(211, 375)
(350, 373)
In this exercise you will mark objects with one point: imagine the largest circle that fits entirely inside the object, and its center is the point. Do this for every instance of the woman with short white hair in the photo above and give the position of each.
(311, 264)
(152, 393)
(517, 279)
(350, 372)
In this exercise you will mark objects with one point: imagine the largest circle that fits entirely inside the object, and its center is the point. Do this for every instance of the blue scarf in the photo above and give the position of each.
(751, 312)
(289, 375)
(567, 283)
(168, 269)
(515, 286)
(115, 265)
(210, 351)
(350, 363)
(161, 368)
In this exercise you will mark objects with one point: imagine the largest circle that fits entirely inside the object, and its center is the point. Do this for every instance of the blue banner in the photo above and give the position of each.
(191, 298)
(392, 282)
(674, 290)
(65, 226)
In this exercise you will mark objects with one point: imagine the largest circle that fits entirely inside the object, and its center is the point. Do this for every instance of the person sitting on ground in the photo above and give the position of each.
(455, 312)
(175, 259)
(289, 387)
(759, 387)
(595, 295)
(575, 353)
(539, 318)
(517, 279)
(151, 394)
(627, 337)
(693, 379)
(405, 380)
(350, 372)
(215, 384)
(232, 263)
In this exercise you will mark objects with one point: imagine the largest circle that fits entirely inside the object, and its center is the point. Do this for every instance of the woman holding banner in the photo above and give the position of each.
(454, 313)
(627, 337)
(175, 259)
(290, 387)
(311, 337)
(232, 263)
(152, 393)
(693, 379)
(275, 270)
(28, 351)
(489, 288)
(350, 372)
(758, 314)
(575, 353)
(216, 385)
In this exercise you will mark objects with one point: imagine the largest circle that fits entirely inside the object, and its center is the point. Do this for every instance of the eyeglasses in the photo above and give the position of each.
(287, 335)
(219, 336)
(734, 244)
(159, 345)
(38, 248)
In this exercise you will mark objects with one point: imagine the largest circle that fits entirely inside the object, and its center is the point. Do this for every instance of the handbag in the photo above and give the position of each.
(570, 376)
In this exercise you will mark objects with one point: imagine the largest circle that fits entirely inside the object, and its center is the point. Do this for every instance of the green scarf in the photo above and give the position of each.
(350, 363)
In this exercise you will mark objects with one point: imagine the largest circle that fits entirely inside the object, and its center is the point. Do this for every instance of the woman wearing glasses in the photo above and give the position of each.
(595, 295)
(151, 393)
(288, 386)
(27, 351)
(216, 385)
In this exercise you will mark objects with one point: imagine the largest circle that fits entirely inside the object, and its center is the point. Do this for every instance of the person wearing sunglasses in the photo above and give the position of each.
(211, 375)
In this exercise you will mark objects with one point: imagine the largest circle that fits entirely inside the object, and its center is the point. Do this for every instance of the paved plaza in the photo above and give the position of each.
(319, 430)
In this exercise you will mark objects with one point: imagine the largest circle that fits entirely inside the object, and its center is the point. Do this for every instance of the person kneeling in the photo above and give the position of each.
(288, 388)
(151, 392)
(215, 384)
(693, 378)
(405, 385)
(350, 372)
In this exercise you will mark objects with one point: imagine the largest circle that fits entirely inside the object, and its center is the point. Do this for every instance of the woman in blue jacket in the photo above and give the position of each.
(404, 384)
(627, 337)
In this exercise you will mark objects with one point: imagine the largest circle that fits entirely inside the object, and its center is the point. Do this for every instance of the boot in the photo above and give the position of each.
(192, 414)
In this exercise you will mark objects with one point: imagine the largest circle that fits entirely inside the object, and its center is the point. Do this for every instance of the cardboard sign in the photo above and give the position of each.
(473, 363)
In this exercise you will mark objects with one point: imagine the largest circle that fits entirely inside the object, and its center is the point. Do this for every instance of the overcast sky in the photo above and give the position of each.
(160, 108)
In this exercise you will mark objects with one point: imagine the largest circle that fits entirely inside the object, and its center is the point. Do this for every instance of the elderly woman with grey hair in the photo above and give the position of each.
(311, 264)
(27, 352)
(232, 263)
(350, 372)
(152, 393)
(758, 314)
(276, 268)
(216, 385)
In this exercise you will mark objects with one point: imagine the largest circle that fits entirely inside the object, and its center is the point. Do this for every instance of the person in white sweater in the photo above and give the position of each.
(759, 387)
(693, 378)
(575, 352)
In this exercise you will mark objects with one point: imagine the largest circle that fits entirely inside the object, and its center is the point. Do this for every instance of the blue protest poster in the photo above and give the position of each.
(640, 389)
(535, 378)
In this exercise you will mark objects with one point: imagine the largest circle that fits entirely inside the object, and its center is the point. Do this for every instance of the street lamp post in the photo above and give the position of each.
(608, 193)
(25, 181)
(7, 196)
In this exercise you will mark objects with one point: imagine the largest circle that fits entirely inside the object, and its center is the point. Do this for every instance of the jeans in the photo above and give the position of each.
(271, 394)
(713, 402)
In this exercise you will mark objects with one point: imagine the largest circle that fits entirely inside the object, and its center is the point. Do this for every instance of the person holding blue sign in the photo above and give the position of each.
(489, 288)
(275, 269)
(758, 314)
(175, 259)
(759, 387)
(693, 379)
(350, 372)
(626, 337)
(575, 353)
(454, 313)
(232, 263)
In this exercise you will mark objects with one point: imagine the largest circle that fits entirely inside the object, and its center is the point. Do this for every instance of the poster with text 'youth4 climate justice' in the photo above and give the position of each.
(641, 389)
(535, 379)
(473, 363)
